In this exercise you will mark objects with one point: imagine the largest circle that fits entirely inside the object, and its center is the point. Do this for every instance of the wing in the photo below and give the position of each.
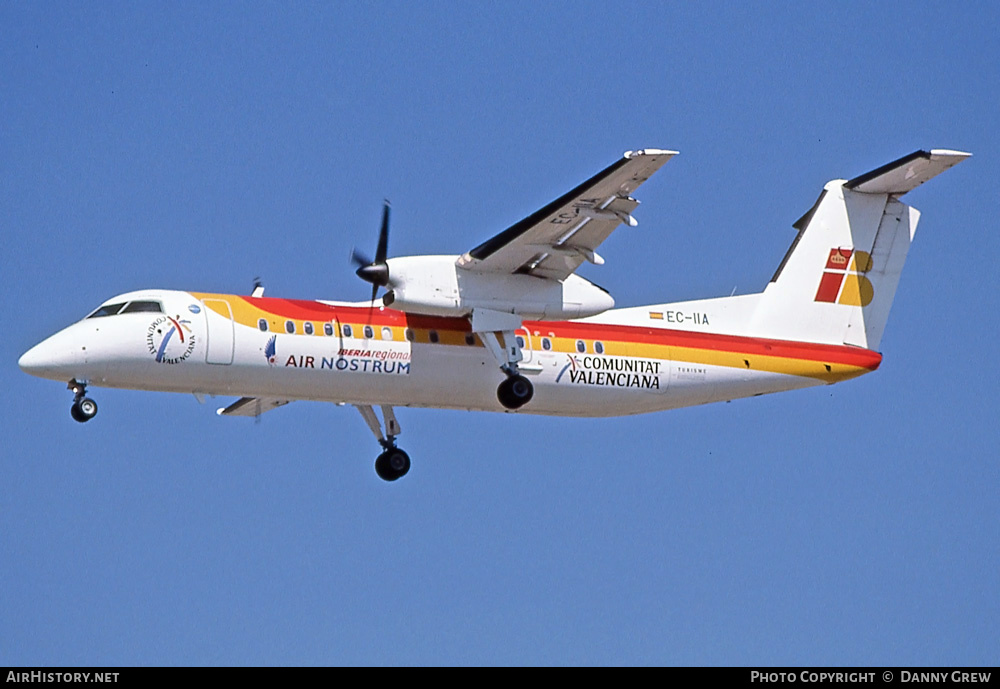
(553, 241)
(251, 406)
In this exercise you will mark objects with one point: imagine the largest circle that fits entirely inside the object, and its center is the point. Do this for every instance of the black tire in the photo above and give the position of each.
(87, 407)
(77, 415)
(392, 464)
(515, 392)
(398, 462)
(382, 467)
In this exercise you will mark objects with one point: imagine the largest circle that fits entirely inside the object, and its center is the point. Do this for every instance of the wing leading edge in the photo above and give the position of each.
(553, 241)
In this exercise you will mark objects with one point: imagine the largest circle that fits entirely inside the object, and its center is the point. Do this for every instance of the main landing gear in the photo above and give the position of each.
(516, 390)
(84, 408)
(393, 463)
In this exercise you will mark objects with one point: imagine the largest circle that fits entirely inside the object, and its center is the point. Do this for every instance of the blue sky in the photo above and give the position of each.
(196, 146)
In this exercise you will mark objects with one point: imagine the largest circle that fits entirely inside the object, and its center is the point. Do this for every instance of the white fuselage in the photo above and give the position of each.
(614, 364)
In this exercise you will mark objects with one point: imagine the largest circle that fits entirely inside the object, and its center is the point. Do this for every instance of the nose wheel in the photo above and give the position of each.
(84, 408)
(393, 463)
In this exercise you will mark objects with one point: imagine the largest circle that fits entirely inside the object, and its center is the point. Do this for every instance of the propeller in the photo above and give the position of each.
(375, 272)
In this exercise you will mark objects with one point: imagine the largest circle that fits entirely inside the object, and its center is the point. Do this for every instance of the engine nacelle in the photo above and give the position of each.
(436, 286)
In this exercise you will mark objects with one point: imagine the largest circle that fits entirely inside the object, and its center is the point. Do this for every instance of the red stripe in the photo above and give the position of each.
(304, 310)
(833, 354)
(829, 286)
(177, 326)
(289, 308)
(841, 354)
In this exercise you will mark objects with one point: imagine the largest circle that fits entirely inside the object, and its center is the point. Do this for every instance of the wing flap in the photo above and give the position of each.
(251, 406)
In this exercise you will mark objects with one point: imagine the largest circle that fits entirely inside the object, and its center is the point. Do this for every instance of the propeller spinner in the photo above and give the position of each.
(375, 272)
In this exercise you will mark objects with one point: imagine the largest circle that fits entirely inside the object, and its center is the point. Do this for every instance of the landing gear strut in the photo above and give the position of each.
(393, 463)
(84, 408)
(516, 390)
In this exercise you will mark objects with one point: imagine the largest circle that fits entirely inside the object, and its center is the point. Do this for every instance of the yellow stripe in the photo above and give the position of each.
(246, 314)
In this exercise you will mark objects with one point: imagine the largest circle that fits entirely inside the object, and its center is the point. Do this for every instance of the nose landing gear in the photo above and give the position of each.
(393, 463)
(84, 408)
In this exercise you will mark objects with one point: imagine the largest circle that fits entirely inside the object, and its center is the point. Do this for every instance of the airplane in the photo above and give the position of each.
(509, 326)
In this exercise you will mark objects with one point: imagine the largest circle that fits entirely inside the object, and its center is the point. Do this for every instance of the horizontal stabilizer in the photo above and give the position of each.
(251, 406)
(907, 173)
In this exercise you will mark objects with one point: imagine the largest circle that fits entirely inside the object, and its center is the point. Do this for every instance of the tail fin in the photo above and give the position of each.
(837, 281)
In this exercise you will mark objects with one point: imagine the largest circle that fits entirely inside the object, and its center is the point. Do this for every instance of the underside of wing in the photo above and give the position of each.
(252, 406)
(556, 239)
(907, 173)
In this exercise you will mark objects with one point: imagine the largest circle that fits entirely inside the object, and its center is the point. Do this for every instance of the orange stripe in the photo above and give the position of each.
(822, 361)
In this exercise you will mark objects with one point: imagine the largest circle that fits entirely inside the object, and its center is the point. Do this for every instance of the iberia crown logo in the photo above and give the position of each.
(843, 281)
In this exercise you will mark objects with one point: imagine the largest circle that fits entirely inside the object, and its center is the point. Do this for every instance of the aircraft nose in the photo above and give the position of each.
(50, 358)
(33, 360)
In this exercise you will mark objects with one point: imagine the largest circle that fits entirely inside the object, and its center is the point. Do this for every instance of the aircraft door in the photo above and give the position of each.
(220, 329)
(524, 342)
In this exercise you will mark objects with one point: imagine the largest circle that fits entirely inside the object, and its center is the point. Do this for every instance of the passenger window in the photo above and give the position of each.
(386, 333)
(408, 334)
(434, 336)
(290, 327)
(262, 324)
(108, 310)
(346, 329)
(470, 339)
(328, 329)
(546, 344)
(520, 342)
(599, 347)
(308, 327)
(143, 307)
(369, 333)
(580, 346)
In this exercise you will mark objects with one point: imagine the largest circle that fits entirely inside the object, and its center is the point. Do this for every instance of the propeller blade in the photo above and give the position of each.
(383, 235)
(359, 259)
(375, 272)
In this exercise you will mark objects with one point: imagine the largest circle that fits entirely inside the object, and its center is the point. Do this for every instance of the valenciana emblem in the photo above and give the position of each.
(170, 339)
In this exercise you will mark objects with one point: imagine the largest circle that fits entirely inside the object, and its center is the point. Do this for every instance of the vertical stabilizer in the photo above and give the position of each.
(838, 279)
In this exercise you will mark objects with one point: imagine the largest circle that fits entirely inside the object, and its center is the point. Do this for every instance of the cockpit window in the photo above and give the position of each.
(107, 310)
(143, 307)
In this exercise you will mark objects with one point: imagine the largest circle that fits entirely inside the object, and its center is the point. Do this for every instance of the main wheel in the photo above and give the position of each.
(392, 464)
(515, 392)
(399, 462)
(83, 410)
